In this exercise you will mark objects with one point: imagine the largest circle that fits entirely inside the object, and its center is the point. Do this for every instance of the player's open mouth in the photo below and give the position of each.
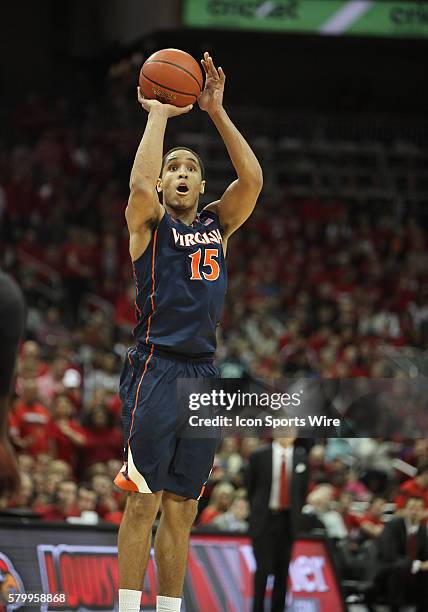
(182, 189)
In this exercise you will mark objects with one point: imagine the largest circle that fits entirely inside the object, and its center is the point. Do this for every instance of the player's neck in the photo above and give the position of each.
(185, 216)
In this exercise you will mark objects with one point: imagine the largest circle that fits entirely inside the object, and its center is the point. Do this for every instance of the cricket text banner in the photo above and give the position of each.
(326, 17)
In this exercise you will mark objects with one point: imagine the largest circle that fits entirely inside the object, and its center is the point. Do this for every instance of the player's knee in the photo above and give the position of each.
(180, 512)
(143, 507)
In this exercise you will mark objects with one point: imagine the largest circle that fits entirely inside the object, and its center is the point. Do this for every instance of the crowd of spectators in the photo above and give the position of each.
(316, 289)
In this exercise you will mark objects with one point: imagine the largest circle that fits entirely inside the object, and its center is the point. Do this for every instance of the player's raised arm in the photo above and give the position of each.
(239, 199)
(144, 210)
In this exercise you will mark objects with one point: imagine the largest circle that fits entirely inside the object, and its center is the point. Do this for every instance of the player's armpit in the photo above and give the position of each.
(144, 209)
(237, 203)
(142, 217)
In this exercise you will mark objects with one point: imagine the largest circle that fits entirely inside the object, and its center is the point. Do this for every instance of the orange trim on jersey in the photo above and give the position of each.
(153, 285)
(125, 484)
(202, 492)
(137, 289)
(138, 390)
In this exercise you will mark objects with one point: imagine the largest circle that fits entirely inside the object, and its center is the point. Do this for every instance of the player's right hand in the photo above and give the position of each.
(9, 474)
(169, 109)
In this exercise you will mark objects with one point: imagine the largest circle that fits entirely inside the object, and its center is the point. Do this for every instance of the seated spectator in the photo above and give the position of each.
(30, 361)
(235, 519)
(220, 502)
(370, 523)
(343, 508)
(25, 495)
(96, 469)
(228, 457)
(26, 463)
(86, 498)
(104, 375)
(66, 433)
(107, 499)
(414, 487)
(402, 575)
(52, 382)
(103, 439)
(113, 467)
(64, 503)
(116, 516)
(47, 481)
(318, 469)
(355, 487)
(51, 330)
(319, 504)
(31, 420)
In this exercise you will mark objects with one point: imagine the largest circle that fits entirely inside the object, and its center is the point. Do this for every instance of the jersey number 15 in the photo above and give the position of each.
(210, 261)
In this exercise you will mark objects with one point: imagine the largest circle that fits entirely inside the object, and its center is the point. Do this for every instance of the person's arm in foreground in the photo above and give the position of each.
(11, 328)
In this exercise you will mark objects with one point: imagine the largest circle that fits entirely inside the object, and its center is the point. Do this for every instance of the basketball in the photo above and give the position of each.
(171, 76)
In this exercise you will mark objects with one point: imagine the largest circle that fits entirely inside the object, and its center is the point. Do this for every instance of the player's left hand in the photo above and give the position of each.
(211, 99)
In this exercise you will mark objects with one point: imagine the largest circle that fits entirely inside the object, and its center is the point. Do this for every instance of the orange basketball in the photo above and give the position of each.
(171, 76)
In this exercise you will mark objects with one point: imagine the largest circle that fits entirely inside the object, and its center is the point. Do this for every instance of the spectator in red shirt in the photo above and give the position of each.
(66, 433)
(104, 488)
(64, 503)
(371, 524)
(24, 497)
(116, 517)
(103, 438)
(87, 498)
(47, 476)
(220, 502)
(51, 383)
(414, 487)
(31, 421)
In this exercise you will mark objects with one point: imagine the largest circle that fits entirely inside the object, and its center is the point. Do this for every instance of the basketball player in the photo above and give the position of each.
(180, 273)
(11, 328)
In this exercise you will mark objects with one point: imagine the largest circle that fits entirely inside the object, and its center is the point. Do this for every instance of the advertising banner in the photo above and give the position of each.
(63, 568)
(328, 17)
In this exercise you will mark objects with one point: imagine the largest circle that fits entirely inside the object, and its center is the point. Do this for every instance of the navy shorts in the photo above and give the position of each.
(155, 457)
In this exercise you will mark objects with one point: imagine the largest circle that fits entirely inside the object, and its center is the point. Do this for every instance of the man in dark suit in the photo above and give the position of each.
(402, 558)
(277, 483)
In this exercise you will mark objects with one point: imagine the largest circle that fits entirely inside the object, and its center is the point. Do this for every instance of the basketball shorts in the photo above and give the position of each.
(155, 457)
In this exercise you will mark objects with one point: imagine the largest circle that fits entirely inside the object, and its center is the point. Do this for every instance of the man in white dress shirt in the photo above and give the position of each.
(277, 482)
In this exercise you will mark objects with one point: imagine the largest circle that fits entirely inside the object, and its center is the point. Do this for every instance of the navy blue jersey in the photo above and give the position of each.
(181, 282)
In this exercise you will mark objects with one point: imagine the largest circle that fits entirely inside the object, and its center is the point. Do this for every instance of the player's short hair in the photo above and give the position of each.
(200, 162)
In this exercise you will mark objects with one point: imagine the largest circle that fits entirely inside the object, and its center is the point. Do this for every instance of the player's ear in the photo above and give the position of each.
(159, 185)
(202, 187)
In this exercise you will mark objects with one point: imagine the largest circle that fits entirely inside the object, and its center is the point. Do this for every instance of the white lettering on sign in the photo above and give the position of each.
(307, 575)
